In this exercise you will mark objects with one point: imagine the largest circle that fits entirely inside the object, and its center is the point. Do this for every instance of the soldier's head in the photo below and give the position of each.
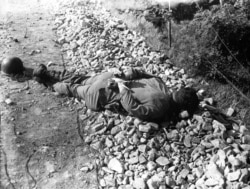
(186, 99)
(128, 73)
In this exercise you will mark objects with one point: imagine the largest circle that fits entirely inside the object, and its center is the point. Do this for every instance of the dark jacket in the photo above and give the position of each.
(148, 99)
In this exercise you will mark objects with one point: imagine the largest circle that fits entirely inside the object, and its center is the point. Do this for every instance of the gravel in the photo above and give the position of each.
(198, 152)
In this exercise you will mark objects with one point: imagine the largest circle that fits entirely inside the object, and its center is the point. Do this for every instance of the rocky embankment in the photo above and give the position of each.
(208, 150)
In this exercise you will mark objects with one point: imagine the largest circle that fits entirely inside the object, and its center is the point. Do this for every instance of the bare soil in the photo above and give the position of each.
(40, 143)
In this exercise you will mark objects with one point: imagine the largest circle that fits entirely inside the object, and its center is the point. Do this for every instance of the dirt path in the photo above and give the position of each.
(40, 144)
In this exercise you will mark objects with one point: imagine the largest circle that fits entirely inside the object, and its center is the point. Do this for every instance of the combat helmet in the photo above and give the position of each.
(12, 66)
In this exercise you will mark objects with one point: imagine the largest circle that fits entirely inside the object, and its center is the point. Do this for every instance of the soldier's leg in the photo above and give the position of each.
(50, 77)
(71, 90)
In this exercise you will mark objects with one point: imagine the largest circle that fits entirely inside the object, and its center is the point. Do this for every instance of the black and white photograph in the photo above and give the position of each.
(124, 94)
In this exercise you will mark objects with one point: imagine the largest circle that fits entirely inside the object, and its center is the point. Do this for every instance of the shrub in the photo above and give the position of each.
(206, 40)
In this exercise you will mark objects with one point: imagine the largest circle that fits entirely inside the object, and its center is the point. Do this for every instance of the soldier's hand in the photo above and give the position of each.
(112, 84)
(121, 84)
(122, 87)
(116, 72)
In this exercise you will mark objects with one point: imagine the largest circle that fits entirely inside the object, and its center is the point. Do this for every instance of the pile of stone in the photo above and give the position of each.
(95, 41)
(198, 152)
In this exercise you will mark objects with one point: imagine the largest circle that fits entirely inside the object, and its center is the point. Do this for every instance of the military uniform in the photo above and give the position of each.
(148, 98)
(144, 95)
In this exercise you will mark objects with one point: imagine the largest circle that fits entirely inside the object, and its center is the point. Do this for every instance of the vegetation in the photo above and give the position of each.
(210, 42)
(215, 45)
(219, 36)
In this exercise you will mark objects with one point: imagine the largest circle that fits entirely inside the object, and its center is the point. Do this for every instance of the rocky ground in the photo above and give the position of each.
(209, 150)
(202, 152)
(40, 144)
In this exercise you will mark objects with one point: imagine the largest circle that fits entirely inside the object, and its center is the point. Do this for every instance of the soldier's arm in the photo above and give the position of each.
(135, 108)
(90, 96)
(130, 73)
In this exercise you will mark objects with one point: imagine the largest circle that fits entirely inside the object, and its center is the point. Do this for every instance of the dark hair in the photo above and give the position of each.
(187, 99)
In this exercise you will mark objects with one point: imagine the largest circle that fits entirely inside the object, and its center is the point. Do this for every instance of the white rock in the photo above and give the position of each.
(109, 180)
(192, 186)
(9, 101)
(162, 187)
(199, 182)
(183, 174)
(151, 184)
(162, 161)
(218, 127)
(230, 111)
(88, 139)
(234, 176)
(84, 169)
(154, 126)
(221, 162)
(142, 148)
(108, 143)
(133, 160)
(137, 122)
(158, 178)
(210, 101)
(115, 130)
(139, 183)
(151, 165)
(120, 137)
(201, 94)
(211, 182)
(169, 181)
(245, 175)
(129, 173)
(184, 114)
(213, 172)
(145, 128)
(115, 165)
(102, 183)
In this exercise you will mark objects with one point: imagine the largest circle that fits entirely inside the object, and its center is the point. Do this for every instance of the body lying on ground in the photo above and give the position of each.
(140, 94)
